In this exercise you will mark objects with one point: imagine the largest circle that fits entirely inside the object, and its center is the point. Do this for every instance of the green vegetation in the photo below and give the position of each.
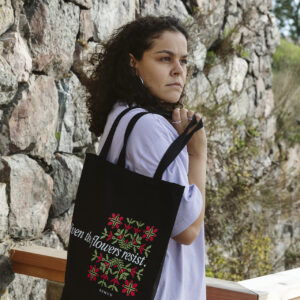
(286, 89)
(292, 258)
(239, 196)
(287, 13)
(224, 48)
(249, 256)
(57, 135)
(286, 56)
(245, 250)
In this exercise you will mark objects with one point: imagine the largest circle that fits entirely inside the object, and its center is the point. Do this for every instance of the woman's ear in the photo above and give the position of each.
(132, 60)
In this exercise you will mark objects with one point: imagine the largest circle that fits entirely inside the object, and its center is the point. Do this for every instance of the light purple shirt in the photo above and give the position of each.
(183, 273)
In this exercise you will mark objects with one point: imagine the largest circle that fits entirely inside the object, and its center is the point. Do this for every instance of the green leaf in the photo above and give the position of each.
(113, 287)
(57, 135)
(95, 255)
(124, 275)
(139, 274)
(102, 282)
(102, 267)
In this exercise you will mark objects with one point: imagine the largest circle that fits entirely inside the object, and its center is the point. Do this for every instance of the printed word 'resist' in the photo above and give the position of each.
(134, 258)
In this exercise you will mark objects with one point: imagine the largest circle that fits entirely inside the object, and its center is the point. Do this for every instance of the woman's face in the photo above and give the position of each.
(163, 67)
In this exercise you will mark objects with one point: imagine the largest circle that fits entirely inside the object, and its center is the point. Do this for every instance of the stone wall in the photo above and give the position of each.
(43, 120)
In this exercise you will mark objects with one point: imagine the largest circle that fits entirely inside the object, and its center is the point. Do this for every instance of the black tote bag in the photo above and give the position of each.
(121, 224)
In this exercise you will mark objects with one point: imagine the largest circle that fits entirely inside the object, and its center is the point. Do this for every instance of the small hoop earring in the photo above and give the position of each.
(141, 79)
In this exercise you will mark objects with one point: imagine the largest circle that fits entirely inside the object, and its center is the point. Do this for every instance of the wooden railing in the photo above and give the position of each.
(38, 261)
(50, 264)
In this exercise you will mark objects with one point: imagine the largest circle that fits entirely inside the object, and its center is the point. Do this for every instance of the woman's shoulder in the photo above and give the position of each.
(151, 124)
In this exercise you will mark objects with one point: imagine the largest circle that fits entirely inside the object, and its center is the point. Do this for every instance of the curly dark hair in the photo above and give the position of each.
(113, 78)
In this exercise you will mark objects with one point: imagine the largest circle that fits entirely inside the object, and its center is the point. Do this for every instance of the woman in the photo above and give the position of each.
(144, 64)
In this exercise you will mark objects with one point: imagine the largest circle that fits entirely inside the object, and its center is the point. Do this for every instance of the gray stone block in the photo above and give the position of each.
(6, 273)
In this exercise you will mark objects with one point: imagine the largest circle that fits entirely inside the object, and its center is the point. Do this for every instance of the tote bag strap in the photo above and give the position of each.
(176, 147)
(132, 122)
(171, 153)
(173, 150)
(108, 141)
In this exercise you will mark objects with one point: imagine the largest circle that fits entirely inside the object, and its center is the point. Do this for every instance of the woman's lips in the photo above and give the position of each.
(175, 85)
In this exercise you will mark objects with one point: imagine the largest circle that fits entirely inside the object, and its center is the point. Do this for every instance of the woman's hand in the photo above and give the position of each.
(197, 145)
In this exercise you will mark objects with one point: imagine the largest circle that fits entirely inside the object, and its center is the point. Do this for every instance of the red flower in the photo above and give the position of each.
(128, 227)
(104, 276)
(134, 242)
(142, 248)
(129, 288)
(115, 220)
(133, 271)
(150, 233)
(106, 264)
(122, 270)
(115, 281)
(93, 273)
(136, 229)
(109, 237)
(120, 236)
(99, 258)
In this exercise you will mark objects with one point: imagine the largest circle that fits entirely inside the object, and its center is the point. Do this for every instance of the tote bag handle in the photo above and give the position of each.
(176, 147)
(171, 153)
(173, 150)
(106, 146)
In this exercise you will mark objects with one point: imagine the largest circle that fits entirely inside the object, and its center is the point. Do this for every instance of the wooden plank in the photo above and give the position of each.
(39, 262)
(39, 272)
(218, 289)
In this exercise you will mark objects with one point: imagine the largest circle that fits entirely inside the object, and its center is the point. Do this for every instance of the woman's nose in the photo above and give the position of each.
(177, 68)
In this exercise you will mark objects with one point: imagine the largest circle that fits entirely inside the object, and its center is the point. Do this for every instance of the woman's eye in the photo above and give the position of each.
(184, 61)
(166, 58)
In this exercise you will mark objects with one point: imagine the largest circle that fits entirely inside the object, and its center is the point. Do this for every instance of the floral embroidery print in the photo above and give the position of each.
(119, 261)
(150, 233)
(115, 220)
(93, 273)
(129, 288)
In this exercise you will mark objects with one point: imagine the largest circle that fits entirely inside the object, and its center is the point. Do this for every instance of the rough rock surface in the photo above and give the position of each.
(8, 82)
(67, 170)
(6, 15)
(33, 121)
(30, 195)
(17, 54)
(53, 26)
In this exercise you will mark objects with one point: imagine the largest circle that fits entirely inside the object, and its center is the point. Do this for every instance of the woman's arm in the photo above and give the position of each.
(197, 149)
(197, 176)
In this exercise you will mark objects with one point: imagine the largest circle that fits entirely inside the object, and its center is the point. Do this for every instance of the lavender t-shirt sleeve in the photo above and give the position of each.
(146, 146)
